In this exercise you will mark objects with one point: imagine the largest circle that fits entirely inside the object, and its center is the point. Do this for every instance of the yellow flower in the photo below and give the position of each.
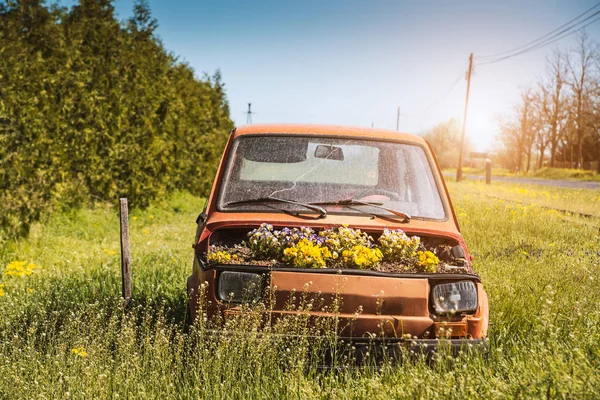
(134, 218)
(151, 216)
(428, 261)
(79, 351)
(110, 252)
(306, 254)
(2, 292)
(145, 231)
(30, 290)
(362, 257)
(20, 269)
(221, 257)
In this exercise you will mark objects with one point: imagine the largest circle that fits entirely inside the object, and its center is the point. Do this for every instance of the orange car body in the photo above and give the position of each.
(395, 306)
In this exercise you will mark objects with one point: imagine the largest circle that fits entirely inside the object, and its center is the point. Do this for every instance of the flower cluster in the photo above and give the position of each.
(428, 261)
(20, 269)
(290, 237)
(344, 238)
(307, 254)
(221, 257)
(79, 351)
(396, 246)
(362, 257)
(264, 243)
(303, 248)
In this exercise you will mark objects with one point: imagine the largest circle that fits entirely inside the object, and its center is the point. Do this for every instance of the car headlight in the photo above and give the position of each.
(238, 287)
(455, 297)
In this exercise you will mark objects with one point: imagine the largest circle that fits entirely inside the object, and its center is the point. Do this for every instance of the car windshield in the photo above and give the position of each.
(312, 169)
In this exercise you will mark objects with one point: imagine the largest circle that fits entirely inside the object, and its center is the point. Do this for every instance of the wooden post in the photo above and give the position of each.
(488, 171)
(125, 257)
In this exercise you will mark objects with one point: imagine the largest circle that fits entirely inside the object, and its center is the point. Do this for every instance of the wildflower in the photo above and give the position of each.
(151, 216)
(134, 218)
(2, 292)
(20, 269)
(110, 252)
(79, 351)
(145, 231)
(29, 290)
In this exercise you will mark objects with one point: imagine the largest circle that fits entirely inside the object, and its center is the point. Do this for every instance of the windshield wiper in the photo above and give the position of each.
(352, 202)
(312, 207)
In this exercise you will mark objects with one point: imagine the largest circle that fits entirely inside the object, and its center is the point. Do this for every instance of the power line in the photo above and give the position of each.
(460, 75)
(554, 38)
(550, 40)
(542, 37)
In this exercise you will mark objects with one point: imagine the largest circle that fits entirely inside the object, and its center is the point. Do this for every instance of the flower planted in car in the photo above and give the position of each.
(330, 248)
(307, 254)
(264, 243)
(397, 246)
(428, 261)
(362, 257)
(222, 257)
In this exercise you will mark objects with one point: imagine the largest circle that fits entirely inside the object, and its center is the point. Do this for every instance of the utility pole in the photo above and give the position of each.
(462, 139)
(398, 120)
(249, 114)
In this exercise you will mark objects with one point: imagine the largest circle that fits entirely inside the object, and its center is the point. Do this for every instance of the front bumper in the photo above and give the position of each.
(362, 349)
(394, 347)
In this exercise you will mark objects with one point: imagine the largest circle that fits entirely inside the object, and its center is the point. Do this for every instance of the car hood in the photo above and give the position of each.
(219, 220)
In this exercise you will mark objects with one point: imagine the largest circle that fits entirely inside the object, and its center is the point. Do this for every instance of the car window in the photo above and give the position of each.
(359, 166)
(321, 169)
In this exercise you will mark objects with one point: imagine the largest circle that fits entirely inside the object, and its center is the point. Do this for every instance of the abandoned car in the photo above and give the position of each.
(357, 216)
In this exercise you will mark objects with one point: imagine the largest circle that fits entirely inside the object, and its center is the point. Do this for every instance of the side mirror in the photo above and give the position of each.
(329, 152)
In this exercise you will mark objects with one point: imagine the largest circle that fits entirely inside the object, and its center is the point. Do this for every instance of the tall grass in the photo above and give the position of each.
(64, 331)
(566, 173)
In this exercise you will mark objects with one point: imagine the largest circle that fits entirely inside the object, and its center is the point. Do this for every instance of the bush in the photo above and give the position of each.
(92, 109)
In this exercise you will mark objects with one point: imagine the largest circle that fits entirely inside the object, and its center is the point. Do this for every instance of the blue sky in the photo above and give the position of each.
(354, 62)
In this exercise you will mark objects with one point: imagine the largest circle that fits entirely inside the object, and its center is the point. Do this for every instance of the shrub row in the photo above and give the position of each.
(92, 108)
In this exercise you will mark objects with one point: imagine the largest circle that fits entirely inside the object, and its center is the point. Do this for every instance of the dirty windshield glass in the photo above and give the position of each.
(311, 169)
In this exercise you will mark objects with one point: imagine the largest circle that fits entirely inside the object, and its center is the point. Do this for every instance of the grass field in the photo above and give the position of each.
(543, 173)
(64, 332)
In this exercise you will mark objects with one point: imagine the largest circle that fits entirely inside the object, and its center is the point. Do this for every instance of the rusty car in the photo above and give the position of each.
(290, 178)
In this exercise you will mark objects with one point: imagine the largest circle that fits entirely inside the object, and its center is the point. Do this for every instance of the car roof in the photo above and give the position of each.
(328, 130)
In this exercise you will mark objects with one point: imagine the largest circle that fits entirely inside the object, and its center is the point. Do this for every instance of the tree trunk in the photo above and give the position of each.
(580, 154)
(553, 145)
(541, 160)
(571, 158)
